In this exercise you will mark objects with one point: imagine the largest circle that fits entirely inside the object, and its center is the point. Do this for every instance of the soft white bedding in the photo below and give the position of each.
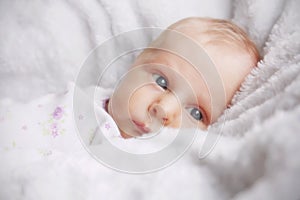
(42, 45)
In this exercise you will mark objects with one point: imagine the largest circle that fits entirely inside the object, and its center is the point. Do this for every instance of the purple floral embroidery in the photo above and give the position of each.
(107, 126)
(54, 133)
(54, 126)
(58, 113)
(54, 130)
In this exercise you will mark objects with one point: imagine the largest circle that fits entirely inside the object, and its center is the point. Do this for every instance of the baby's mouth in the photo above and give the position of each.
(141, 127)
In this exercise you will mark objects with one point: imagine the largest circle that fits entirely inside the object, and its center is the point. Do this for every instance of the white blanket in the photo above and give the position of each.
(42, 46)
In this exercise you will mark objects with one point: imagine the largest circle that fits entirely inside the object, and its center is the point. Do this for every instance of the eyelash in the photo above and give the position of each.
(165, 87)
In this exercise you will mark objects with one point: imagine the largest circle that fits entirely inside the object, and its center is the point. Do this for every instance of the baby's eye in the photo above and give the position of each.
(161, 81)
(196, 113)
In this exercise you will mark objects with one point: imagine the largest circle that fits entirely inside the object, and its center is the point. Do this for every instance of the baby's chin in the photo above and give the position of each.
(128, 135)
(125, 135)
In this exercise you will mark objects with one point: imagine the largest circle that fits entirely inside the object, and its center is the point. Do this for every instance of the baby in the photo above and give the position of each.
(162, 89)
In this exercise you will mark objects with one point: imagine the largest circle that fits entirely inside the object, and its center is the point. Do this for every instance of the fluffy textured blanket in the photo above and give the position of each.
(41, 156)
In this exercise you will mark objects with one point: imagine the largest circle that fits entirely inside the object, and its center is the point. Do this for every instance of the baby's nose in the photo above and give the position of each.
(166, 110)
(157, 111)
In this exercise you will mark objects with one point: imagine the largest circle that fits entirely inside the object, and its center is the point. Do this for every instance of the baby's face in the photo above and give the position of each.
(162, 89)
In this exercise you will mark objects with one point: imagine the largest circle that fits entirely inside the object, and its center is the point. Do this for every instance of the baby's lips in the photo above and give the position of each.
(138, 123)
(146, 129)
(141, 126)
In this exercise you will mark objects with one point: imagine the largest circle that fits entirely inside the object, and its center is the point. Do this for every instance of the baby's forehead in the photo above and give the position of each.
(163, 56)
(171, 62)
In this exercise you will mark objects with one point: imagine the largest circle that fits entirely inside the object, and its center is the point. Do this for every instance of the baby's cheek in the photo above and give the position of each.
(138, 97)
(136, 101)
(187, 122)
(176, 123)
(142, 98)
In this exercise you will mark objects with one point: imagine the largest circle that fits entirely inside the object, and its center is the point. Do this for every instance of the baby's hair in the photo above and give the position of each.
(218, 31)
